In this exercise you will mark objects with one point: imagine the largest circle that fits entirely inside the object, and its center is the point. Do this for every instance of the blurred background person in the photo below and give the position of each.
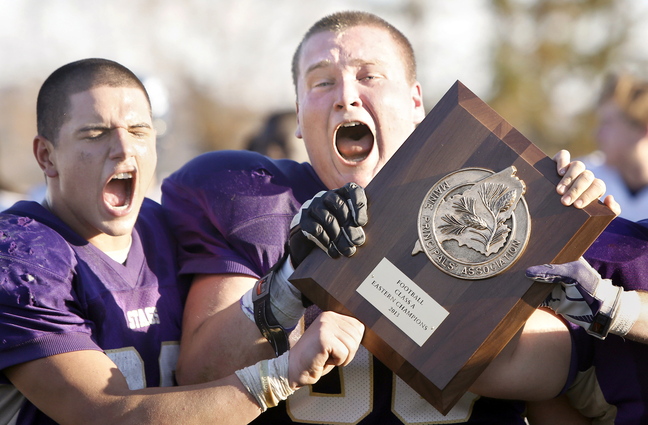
(277, 140)
(621, 160)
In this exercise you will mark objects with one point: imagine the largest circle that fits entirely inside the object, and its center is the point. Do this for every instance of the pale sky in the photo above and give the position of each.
(239, 51)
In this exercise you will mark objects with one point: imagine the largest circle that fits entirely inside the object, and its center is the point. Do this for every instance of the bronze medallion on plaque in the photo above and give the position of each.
(474, 223)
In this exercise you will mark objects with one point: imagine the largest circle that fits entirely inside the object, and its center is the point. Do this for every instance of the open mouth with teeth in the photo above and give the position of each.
(118, 192)
(354, 141)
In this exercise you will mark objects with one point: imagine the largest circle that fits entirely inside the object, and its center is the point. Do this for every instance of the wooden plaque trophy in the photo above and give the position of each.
(455, 218)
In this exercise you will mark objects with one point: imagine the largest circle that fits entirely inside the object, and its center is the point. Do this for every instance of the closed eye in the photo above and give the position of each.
(141, 130)
(93, 134)
(369, 77)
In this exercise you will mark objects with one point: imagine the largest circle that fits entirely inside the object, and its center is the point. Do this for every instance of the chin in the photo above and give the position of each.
(122, 227)
(363, 181)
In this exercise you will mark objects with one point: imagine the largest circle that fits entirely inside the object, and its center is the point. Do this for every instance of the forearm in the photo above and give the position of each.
(86, 387)
(225, 401)
(224, 343)
(217, 337)
(639, 331)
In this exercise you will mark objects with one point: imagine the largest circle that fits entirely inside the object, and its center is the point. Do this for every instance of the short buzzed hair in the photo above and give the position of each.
(341, 21)
(76, 77)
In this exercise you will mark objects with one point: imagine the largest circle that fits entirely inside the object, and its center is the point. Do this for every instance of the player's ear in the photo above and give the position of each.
(417, 99)
(298, 131)
(44, 154)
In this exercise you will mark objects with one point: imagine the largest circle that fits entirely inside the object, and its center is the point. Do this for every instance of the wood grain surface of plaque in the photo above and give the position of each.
(435, 330)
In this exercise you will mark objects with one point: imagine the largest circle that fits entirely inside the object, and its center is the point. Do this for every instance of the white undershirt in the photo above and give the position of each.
(121, 254)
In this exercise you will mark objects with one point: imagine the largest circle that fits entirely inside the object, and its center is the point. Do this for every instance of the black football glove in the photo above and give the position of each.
(332, 220)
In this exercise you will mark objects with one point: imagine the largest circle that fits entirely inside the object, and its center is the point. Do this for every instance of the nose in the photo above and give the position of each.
(348, 95)
(123, 144)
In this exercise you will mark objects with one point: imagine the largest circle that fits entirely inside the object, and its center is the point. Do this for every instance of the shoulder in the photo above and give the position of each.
(151, 214)
(153, 227)
(233, 162)
(36, 261)
(224, 161)
(233, 172)
(25, 239)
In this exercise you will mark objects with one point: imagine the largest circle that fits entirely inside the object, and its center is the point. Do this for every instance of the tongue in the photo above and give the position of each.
(353, 149)
(116, 193)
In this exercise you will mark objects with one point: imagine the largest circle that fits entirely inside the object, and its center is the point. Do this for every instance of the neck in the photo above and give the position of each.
(103, 241)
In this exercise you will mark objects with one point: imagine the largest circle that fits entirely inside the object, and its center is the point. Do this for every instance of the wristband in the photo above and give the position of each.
(267, 381)
(284, 299)
(275, 305)
(603, 319)
(263, 317)
(627, 314)
(617, 318)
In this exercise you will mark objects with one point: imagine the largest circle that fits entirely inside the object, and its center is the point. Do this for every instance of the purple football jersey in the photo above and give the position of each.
(231, 211)
(61, 294)
(611, 376)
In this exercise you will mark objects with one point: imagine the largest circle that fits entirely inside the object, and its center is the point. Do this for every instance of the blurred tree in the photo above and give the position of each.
(549, 62)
